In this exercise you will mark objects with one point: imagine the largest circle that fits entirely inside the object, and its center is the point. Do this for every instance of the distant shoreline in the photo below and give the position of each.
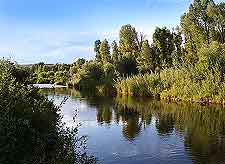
(47, 86)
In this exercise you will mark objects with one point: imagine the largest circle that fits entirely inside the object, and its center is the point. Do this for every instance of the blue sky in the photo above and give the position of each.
(60, 31)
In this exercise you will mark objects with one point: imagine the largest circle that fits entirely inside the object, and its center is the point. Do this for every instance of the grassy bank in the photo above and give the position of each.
(184, 84)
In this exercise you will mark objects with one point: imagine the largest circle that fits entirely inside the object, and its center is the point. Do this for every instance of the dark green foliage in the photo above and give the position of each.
(216, 14)
(146, 60)
(178, 52)
(127, 65)
(89, 76)
(109, 73)
(31, 130)
(97, 50)
(21, 74)
(163, 41)
(202, 24)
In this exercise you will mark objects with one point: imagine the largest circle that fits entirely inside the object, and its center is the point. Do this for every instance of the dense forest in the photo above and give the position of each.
(183, 63)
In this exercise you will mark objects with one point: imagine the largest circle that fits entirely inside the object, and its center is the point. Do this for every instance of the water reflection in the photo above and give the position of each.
(202, 129)
(104, 115)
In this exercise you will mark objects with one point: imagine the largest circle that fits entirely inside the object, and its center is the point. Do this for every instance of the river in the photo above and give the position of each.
(141, 131)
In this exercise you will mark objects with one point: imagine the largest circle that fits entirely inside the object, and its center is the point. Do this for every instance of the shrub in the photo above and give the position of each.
(31, 130)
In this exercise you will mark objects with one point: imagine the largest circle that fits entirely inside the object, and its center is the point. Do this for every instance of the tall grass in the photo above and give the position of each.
(139, 85)
(186, 84)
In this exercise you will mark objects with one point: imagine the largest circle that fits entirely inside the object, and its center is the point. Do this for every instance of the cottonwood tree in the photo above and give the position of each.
(127, 40)
(105, 51)
(216, 13)
(163, 41)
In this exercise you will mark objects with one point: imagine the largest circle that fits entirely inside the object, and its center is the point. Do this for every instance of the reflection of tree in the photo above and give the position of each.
(135, 105)
(203, 128)
(205, 148)
(131, 116)
(104, 114)
(205, 140)
(131, 124)
(165, 123)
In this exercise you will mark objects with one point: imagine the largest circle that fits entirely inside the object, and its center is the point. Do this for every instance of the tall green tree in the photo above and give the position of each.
(163, 41)
(128, 40)
(193, 38)
(97, 45)
(105, 51)
(115, 53)
(127, 65)
(216, 13)
(140, 38)
(197, 28)
(146, 58)
(177, 54)
(198, 13)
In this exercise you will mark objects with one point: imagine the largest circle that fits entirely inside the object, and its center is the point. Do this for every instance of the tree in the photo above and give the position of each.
(128, 39)
(163, 41)
(216, 13)
(80, 62)
(212, 58)
(146, 58)
(197, 28)
(97, 50)
(89, 76)
(177, 54)
(76, 66)
(127, 65)
(115, 53)
(140, 38)
(199, 15)
(105, 51)
(193, 39)
(197, 25)
(31, 127)
(109, 73)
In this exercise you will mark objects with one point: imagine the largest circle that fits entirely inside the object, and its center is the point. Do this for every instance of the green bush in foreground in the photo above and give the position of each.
(31, 130)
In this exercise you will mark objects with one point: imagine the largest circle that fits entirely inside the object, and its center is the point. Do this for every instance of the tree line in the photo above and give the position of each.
(191, 54)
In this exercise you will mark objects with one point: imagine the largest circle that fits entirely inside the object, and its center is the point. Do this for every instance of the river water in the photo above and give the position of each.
(125, 130)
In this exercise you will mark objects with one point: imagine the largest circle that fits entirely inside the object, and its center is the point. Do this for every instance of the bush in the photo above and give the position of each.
(31, 130)
(89, 76)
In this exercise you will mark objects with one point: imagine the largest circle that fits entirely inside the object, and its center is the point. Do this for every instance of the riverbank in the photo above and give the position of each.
(175, 85)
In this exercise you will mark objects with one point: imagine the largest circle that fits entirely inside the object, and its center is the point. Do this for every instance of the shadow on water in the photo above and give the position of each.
(201, 127)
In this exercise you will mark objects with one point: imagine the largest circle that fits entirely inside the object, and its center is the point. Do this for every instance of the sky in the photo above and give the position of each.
(61, 31)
